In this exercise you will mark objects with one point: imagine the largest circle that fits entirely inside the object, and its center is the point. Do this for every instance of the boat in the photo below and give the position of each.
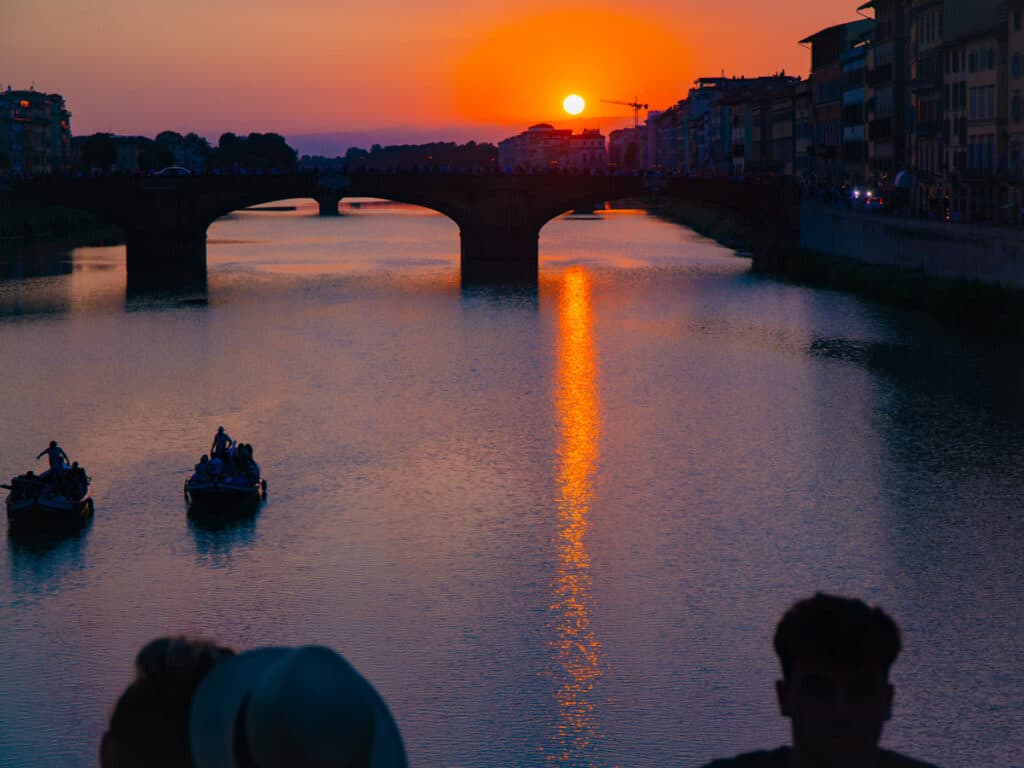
(38, 501)
(221, 486)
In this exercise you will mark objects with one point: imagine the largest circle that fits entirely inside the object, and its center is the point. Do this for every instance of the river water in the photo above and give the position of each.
(552, 527)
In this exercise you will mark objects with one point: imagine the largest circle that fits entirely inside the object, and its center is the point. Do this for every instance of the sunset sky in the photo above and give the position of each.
(447, 69)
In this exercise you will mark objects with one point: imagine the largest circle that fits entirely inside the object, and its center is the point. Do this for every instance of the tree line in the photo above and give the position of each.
(257, 152)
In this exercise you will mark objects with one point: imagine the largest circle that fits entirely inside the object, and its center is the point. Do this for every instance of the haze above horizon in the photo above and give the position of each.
(407, 72)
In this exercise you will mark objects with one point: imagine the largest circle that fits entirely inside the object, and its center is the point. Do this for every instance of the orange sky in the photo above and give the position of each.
(450, 66)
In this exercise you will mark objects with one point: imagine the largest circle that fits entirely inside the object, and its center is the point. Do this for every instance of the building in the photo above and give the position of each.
(762, 125)
(975, 69)
(1015, 111)
(35, 132)
(802, 130)
(854, 143)
(888, 96)
(829, 48)
(627, 149)
(928, 134)
(542, 147)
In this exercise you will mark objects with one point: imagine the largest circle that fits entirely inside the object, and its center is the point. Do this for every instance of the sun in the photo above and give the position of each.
(573, 104)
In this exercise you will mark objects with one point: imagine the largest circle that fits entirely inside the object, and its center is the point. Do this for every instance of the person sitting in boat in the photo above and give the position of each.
(58, 459)
(78, 480)
(221, 443)
(216, 467)
(202, 469)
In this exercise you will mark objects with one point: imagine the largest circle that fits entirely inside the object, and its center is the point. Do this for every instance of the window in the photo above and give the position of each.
(1015, 106)
(1015, 66)
(972, 61)
(956, 61)
(1016, 20)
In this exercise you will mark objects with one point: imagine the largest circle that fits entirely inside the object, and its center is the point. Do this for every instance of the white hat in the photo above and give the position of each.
(291, 708)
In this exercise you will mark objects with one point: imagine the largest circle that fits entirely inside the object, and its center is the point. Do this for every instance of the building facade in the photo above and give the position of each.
(543, 148)
(35, 133)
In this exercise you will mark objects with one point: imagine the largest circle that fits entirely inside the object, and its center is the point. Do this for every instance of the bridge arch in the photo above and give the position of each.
(499, 215)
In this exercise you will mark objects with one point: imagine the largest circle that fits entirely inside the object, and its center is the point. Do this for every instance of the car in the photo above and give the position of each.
(874, 202)
(173, 170)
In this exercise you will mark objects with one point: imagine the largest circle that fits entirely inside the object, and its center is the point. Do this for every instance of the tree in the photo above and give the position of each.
(99, 151)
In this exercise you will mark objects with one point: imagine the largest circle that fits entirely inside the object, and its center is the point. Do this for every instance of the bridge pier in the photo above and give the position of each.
(496, 256)
(328, 202)
(166, 257)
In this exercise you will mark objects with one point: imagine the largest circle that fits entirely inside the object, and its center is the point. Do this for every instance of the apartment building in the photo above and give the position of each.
(35, 132)
(829, 47)
(929, 96)
(1015, 110)
(542, 147)
(976, 76)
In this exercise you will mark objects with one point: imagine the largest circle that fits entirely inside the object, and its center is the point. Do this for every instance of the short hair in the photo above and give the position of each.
(149, 724)
(837, 630)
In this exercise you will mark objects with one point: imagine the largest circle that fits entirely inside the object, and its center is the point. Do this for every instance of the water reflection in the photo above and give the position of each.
(42, 560)
(146, 287)
(19, 263)
(503, 295)
(217, 537)
(575, 645)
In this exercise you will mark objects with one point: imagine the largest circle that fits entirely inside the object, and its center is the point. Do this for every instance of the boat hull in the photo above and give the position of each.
(48, 512)
(223, 498)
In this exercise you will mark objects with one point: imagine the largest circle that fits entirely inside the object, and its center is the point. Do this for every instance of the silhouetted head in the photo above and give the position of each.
(53, 443)
(149, 724)
(74, 465)
(220, 430)
(291, 708)
(835, 654)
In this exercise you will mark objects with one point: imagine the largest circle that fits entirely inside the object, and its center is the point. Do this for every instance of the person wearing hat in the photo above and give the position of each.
(149, 725)
(303, 707)
(269, 708)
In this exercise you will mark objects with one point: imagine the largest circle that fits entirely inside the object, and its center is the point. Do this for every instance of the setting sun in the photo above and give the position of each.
(573, 104)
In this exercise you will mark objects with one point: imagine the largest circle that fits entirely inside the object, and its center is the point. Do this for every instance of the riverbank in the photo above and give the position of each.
(723, 226)
(981, 307)
(967, 304)
(22, 225)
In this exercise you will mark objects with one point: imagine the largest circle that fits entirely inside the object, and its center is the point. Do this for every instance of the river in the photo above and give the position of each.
(553, 526)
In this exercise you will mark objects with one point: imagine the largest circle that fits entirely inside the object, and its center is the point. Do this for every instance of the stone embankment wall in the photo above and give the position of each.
(950, 251)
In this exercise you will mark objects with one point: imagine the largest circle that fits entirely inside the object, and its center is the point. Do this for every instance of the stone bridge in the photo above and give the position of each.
(499, 216)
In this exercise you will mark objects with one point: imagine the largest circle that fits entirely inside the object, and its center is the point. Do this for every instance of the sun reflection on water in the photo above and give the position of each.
(575, 646)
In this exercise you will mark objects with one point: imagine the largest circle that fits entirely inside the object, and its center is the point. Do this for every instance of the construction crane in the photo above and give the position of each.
(636, 105)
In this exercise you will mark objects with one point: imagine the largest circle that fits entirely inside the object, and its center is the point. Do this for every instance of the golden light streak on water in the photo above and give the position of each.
(576, 648)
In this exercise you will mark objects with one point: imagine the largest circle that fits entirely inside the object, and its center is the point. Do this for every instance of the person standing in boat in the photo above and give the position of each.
(57, 459)
(221, 443)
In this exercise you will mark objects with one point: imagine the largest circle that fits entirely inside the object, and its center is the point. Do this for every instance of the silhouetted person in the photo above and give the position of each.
(221, 442)
(57, 459)
(300, 707)
(56, 456)
(149, 725)
(835, 654)
(194, 704)
(79, 481)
